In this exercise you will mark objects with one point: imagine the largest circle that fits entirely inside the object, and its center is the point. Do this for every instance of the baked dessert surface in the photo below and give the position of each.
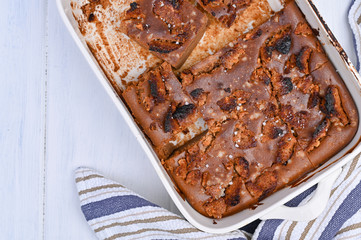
(225, 11)
(165, 113)
(123, 60)
(273, 105)
(170, 29)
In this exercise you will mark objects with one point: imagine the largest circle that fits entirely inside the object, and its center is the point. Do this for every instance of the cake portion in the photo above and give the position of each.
(313, 100)
(225, 11)
(165, 113)
(275, 109)
(211, 178)
(228, 84)
(169, 29)
(340, 121)
(219, 177)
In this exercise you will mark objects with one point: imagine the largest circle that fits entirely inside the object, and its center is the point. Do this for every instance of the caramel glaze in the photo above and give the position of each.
(161, 108)
(225, 12)
(169, 29)
(306, 178)
(276, 109)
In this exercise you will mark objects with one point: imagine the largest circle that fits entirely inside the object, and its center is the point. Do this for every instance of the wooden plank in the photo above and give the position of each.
(22, 98)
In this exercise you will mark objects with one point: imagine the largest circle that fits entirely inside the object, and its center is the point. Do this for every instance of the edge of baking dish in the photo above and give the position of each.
(271, 207)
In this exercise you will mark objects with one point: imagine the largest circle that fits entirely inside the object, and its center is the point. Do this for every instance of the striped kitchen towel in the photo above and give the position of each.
(341, 219)
(354, 19)
(115, 212)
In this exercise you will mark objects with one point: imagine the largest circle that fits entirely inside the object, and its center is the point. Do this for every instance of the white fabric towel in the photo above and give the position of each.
(115, 212)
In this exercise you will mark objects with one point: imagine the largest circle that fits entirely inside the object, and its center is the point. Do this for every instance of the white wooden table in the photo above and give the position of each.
(55, 116)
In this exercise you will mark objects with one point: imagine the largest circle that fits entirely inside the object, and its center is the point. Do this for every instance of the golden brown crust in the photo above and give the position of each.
(332, 106)
(286, 148)
(264, 185)
(279, 41)
(319, 134)
(215, 208)
(303, 29)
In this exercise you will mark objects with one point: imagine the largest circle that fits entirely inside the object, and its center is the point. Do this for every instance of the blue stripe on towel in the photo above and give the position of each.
(270, 226)
(347, 209)
(113, 205)
(354, 40)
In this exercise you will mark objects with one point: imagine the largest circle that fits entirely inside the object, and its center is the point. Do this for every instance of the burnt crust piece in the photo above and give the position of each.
(230, 103)
(264, 185)
(225, 11)
(262, 74)
(169, 29)
(319, 134)
(301, 61)
(332, 106)
(89, 9)
(241, 166)
(341, 112)
(303, 29)
(212, 179)
(279, 41)
(282, 85)
(215, 208)
(243, 138)
(286, 148)
(161, 108)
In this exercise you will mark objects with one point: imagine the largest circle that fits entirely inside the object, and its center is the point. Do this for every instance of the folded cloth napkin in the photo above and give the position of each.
(115, 212)
(354, 19)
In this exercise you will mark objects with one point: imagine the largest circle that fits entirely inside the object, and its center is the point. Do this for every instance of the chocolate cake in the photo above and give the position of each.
(170, 29)
(274, 106)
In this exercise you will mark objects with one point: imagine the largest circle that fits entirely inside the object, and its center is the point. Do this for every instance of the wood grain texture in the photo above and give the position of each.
(83, 127)
(22, 98)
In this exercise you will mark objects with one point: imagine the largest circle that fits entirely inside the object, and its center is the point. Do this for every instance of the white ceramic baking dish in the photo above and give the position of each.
(272, 206)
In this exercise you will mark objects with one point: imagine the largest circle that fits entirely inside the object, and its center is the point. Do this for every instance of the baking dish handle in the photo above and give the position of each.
(310, 210)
